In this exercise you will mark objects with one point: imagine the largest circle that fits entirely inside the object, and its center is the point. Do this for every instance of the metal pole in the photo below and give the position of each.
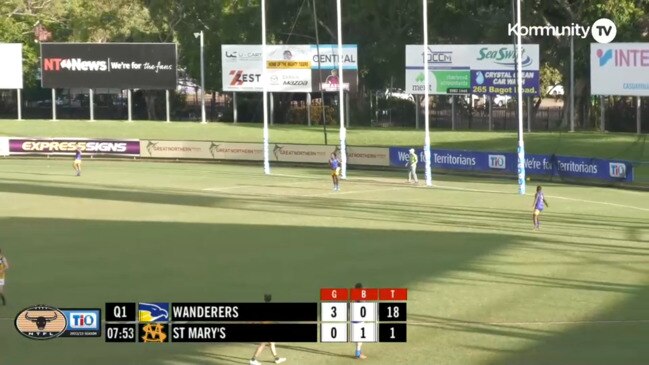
(519, 91)
(272, 109)
(308, 109)
(168, 107)
(234, 108)
(453, 112)
(341, 93)
(264, 83)
(638, 112)
(572, 84)
(602, 113)
(91, 94)
(428, 173)
(417, 106)
(491, 120)
(347, 96)
(529, 114)
(203, 120)
(317, 45)
(130, 109)
(19, 104)
(53, 104)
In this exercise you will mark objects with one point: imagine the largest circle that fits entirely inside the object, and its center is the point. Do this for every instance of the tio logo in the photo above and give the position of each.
(497, 162)
(83, 320)
(604, 30)
(617, 169)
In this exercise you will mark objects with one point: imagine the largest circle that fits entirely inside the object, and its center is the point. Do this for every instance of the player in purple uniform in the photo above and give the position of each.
(539, 204)
(77, 161)
(334, 164)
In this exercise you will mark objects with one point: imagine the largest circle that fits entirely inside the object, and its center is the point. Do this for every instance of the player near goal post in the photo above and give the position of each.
(262, 346)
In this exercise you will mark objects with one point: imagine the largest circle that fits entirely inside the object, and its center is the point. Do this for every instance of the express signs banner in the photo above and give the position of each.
(291, 68)
(11, 66)
(619, 69)
(68, 146)
(109, 65)
(506, 162)
(472, 69)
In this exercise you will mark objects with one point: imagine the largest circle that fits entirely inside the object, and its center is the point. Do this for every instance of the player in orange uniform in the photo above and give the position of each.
(4, 265)
(262, 346)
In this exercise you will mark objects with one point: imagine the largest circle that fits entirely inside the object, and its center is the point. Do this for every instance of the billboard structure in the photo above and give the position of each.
(619, 69)
(472, 69)
(11, 66)
(291, 68)
(109, 65)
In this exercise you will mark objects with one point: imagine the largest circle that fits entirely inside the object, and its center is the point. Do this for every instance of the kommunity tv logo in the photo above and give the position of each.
(602, 30)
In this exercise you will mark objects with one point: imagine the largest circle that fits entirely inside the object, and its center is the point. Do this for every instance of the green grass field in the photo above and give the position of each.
(483, 287)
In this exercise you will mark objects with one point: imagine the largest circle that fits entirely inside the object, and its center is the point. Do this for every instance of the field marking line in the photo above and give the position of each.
(232, 187)
(549, 196)
(351, 192)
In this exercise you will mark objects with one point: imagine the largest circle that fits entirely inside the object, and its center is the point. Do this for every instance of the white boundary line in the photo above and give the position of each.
(549, 196)
(334, 193)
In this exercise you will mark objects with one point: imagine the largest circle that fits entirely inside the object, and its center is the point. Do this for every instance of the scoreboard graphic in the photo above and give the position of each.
(343, 315)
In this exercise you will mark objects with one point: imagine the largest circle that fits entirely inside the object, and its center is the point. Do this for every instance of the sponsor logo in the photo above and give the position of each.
(239, 77)
(439, 57)
(274, 80)
(637, 57)
(82, 322)
(497, 162)
(213, 149)
(603, 30)
(296, 82)
(153, 312)
(71, 146)
(505, 56)
(617, 169)
(41, 322)
(73, 64)
(243, 55)
(151, 146)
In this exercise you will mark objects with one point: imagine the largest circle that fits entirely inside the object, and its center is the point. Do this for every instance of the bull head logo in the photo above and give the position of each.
(41, 321)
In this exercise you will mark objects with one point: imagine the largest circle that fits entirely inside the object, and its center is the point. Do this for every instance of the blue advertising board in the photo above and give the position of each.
(505, 162)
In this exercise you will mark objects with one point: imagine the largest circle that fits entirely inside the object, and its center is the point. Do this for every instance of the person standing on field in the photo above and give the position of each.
(412, 165)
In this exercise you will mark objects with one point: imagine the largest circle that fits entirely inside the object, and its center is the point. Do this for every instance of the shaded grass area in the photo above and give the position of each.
(483, 288)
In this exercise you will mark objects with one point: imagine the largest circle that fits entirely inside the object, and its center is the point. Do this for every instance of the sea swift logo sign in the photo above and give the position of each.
(505, 56)
(603, 30)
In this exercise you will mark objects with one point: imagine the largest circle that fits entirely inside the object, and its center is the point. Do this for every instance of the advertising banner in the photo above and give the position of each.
(619, 69)
(291, 68)
(68, 146)
(11, 66)
(472, 69)
(109, 65)
(505, 162)
(369, 156)
(242, 67)
(327, 70)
